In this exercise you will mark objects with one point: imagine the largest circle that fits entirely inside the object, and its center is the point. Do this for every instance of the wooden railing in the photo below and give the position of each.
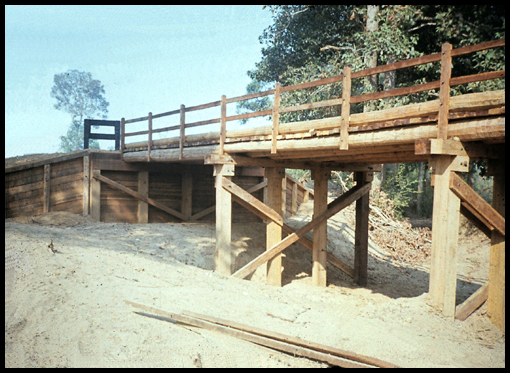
(346, 120)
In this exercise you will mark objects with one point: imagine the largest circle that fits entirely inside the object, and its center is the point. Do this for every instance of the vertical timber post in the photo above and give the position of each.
(182, 132)
(95, 196)
(320, 178)
(361, 234)
(187, 191)
(276, 118)
(445, 237)
(496, 297)
(86, 184)
(46, 183)
(143, 189)
(223, 257)
(346, 108)
(275, 180)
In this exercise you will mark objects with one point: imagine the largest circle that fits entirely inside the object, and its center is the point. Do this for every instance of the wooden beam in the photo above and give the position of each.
(496, 300)
(267, 213)
(187, 192)
(294, 340)
(267, 339)
(95, 196)
(223, 124)
(276, 118)
(223, 258)
(468, 195)
(346, 108)
(182, 129)
(132, 193)
(445, 232)
(86, 185)
(275, 178)
(444, 91)
(320, 178)
(337, 205)
(143, 189)
(470, 305)
(361, 232)
(46, 188)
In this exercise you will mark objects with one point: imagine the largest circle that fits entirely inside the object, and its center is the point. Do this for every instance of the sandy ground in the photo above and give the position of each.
(66, 308)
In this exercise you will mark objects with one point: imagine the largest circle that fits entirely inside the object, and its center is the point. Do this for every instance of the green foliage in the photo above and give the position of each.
(82, 97)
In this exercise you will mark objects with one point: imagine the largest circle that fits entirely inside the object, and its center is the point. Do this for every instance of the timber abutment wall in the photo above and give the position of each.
(160, 192)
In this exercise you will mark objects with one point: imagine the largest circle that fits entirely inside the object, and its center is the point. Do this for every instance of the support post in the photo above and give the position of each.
(223, 259)
(445, 235)
(182, 132)
(95, 196)
(275, 179)
(46, 202)
(276, 118)
(86, 184)
(187, 190)
(361, 234)
(496, 297)
(320, 178)
(149, 142)
(143, 189)
(444, 91)
(346, 108)
(223, 124)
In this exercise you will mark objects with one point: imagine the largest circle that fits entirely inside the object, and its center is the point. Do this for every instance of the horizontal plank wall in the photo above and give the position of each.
(25, 189)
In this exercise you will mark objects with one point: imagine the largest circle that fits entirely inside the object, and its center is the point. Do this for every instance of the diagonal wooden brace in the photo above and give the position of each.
(334, 207)
(137, 195)
(462, 190)
(252, 204)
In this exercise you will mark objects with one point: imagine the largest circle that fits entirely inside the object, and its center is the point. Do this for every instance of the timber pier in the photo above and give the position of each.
(447, 132)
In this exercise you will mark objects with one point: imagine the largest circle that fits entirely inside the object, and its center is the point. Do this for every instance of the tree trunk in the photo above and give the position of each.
(371, 58)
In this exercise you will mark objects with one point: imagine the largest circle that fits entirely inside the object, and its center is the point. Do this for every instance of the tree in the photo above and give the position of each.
(309, 42)
(82, 97)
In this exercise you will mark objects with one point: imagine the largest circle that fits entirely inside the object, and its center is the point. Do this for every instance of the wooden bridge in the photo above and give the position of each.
(447, 133)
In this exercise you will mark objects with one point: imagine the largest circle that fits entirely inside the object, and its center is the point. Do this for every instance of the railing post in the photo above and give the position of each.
(182, 132)
(444, 91)
(223, 131)
(276, 117)
(149, 144)
(122, 135)
(346, 108)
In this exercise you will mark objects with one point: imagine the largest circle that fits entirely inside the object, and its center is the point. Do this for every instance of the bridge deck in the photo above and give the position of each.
(384, 136)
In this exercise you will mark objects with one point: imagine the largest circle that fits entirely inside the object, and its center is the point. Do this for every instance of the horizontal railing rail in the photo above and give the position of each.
(444, 84)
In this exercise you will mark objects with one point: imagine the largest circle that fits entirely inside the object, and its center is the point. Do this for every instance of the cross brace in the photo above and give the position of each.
(267, 213)
(334, 207)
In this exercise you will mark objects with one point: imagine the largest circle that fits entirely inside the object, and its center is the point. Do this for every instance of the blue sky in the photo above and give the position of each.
(149, 58)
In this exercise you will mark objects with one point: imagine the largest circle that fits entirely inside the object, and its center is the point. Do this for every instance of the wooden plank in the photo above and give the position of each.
(293, 340)
(470, 305)
(445, 232)
(149, 143)
(337, 205)
(320, 241)
(61, 158)
(244, 198)
(254, 338)
(223, 258)
(361, 235)
(276, 117)
(466, 194)
(475, 218)
(223, 129)
(187, 193)
(139, 196)
(182, 135)
(496, 300)
(143, 189)
(46, 188)
(95, 196)
(275, 177)
(86, 185)
(444, 91)
(346, 108)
